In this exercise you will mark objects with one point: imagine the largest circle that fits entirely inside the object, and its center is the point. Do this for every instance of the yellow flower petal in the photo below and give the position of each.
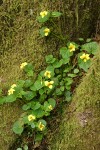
(13, 86)
(50, 86)
(84, 60)
(83, 56)
(51, 82)
(47, 30)
(46, 34)
(46, 83)
(87, 56)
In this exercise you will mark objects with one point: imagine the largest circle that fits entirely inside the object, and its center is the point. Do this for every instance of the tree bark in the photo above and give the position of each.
(20, 42)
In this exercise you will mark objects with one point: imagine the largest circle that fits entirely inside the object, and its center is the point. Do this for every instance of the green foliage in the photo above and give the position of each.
(39, 137)
(25, 147)
(67, 96)
(39, 92)
(76, 71)
(2, 100)
(82, 64)
(48, 15)
(18, 127)
(28, 69)
(45, 18)
(56, 14)
(42, 31)
(50, 59)
(91, 47)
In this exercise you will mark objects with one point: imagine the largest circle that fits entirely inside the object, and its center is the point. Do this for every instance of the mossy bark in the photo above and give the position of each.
(20, 42)
(80, 124)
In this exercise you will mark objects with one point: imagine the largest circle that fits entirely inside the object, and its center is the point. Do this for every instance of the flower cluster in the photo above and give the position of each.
(11, 90)
(85, 57)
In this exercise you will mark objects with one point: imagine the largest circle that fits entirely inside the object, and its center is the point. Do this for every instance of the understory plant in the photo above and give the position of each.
(38, 93)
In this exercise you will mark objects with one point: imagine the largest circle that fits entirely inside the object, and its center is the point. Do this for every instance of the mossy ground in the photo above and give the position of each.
(8, 115)
(20, 42)
(80, 122)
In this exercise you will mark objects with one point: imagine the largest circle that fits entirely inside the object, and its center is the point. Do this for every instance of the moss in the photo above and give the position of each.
(80, 125)
(9, 113)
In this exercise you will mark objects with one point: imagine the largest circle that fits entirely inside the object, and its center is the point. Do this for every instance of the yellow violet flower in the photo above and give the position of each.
(50, 107)
(31, 117)
(41, 126)
(23, 65)
(71, 47)
(46, 31)
(49, 84)
(47, 74)
(13, 86)
(11, 91)
(85, 57)
(43, 14)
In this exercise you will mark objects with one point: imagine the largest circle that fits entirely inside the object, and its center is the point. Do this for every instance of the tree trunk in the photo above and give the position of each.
(20, 42)
(80, 124)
